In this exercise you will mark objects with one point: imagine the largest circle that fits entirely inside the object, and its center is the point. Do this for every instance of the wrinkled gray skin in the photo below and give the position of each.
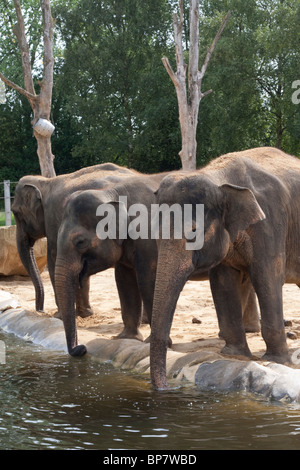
(38, 207)
(80, 253)
(252, 230)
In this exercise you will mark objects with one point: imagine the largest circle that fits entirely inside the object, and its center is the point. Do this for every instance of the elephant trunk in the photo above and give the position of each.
(173, 269)
(66, 279)
(25, 249)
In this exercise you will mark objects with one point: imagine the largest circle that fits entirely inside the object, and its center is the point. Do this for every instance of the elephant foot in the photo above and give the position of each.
(278, 358)
(234, 350)
(84, 312)
(128, 334)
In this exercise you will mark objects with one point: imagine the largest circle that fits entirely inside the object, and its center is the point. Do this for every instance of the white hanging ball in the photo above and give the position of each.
(44, 127)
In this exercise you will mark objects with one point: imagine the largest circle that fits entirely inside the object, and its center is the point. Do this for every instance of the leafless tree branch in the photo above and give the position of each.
(19, 31)
(19, 89)
(213, 45)
(189, 97)
(40, 104)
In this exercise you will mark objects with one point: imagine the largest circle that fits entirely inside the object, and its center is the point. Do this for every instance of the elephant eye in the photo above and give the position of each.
(17, 215)
(16, 209)
(80, 243)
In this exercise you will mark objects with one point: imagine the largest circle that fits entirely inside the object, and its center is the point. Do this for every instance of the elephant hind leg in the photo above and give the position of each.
(251, 320)
(145, 318)
(83, 307)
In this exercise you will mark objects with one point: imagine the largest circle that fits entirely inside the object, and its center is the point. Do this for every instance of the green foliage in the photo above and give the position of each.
(114, 101)
(2, 219)
(251, 74)
(118, 84)
(17, 145)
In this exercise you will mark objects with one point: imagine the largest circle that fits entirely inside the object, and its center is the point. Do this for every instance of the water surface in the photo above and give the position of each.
(52, 401)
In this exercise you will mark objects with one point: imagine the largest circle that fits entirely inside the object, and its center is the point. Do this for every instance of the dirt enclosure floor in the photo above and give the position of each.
(195, 302)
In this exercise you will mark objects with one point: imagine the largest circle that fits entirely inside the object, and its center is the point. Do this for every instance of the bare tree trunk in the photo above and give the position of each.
(189, 97)
(40, 104)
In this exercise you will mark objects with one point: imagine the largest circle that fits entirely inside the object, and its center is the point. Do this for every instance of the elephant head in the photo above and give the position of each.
(228, 210)
(29, 215)
(81, 253)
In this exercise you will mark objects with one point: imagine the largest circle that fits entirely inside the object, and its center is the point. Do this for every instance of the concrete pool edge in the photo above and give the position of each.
(207, 370)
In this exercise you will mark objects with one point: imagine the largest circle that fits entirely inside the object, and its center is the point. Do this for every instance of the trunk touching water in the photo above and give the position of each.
(65, 286)
(173, 268)
(26, 253)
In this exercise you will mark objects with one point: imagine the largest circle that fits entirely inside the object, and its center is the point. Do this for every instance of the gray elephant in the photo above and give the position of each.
(83, 251)
(38, 207)
(251, 203)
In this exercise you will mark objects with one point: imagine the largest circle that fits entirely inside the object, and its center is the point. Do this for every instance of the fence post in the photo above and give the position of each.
(7, 202)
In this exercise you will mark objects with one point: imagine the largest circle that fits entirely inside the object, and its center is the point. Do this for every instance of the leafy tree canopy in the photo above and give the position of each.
(114, 101)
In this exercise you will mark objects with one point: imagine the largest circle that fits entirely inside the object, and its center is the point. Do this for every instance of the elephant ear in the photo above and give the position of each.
(242, 209)
(32, 197)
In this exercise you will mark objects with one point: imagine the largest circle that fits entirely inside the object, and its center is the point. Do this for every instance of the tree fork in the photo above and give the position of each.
(189, 97)
(40, 104)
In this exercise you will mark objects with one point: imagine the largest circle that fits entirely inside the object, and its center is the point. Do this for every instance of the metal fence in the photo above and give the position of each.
(7, 191)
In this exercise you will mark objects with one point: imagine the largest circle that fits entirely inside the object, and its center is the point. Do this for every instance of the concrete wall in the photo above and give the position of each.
(206, 370)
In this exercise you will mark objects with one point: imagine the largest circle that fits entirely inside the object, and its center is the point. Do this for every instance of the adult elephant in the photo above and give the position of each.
(38, 207)
(251, 230)
(83, 250)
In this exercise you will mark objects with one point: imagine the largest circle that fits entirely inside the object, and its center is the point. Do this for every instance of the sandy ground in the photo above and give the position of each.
(195, 302)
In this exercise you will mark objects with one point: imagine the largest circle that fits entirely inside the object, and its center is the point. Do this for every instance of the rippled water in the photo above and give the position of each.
(51, 401)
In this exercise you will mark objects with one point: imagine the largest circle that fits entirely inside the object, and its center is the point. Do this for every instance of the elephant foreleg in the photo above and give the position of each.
(226, 290)
(268, 282)
(131, 302)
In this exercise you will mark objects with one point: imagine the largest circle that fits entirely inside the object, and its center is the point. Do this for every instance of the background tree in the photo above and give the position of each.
(114, 80)
(252, 72)
(41, 103)
(108, 53)
(189, 96)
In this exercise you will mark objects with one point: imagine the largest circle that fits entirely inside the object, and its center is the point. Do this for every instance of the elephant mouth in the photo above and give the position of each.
(83, 273)
(90, 266)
